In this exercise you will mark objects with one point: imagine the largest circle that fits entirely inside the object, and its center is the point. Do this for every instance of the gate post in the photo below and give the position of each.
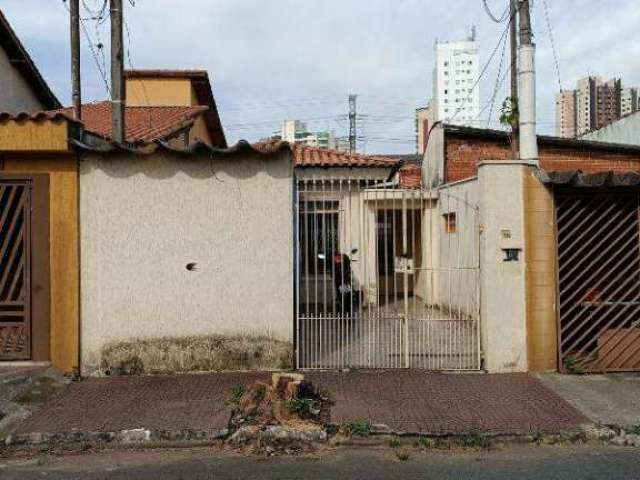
(502, 265)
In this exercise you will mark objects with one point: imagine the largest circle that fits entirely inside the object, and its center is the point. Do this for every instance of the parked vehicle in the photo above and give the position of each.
(347, 297)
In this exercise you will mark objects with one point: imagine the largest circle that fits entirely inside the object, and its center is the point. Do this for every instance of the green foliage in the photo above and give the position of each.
(426, 442)
(571, 365)
(300, 406)
(357, 428)
(237, 392)
(403, 455)
(475, 440)
(509, 112)
(394, 442)
(635, 429)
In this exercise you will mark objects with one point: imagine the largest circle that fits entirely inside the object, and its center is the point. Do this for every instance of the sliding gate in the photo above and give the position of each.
(386, 277)
(599, 281)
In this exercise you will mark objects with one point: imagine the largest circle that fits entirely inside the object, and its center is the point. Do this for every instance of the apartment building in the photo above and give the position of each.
(455, 100)
(593, 104)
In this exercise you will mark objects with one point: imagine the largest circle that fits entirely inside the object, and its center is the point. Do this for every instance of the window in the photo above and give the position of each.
(449, 222)
(446, 91)
(446, 64)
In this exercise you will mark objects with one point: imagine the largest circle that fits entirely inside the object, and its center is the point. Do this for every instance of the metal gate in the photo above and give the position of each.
(599, 281)
(15, 240)
(386, 277)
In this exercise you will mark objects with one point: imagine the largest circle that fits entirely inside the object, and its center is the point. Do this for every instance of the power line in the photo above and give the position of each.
(504, 16)
(553, 45)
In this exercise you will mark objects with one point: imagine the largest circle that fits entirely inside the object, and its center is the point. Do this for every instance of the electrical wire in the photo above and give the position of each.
(504, 16)
(553, 45)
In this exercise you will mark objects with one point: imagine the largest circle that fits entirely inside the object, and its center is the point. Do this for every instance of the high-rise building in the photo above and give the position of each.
(455, 100)
(593, 105)
(629, 101)
(295, 131)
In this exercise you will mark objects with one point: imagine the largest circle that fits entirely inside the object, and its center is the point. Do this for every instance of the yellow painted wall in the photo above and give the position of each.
(30, 136)
(64, 254)
(541, 275)
(143, 92)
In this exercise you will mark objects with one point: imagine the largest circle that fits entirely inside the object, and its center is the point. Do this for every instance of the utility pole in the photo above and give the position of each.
(515, 135)
(76, 93)
(118, 94)
(352, 124)
(527, 87)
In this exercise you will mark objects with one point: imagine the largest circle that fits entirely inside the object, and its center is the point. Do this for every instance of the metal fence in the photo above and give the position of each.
(387, 277)
(599, 281)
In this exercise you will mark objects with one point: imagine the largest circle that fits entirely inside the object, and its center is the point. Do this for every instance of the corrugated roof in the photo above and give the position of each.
(20, 59)
(143, 124)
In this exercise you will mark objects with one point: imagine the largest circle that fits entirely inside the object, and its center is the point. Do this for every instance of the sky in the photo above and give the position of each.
(300, 59)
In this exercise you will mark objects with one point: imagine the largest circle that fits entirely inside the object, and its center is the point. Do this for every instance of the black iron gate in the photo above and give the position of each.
(599, 281)
(15, 281)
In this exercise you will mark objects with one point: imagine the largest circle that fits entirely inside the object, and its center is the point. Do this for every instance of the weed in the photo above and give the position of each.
(475, 440)
(635, 429)
(237, 392)
(356, 428)
(571, 365)
(426, 442)
(403, 455)
(300, 406)
(394, 442)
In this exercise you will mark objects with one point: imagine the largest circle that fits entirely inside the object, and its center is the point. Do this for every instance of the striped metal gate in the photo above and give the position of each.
(15, 241)
(599, 281)
(386, 277)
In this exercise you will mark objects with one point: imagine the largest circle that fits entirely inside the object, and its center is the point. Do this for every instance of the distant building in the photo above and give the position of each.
(295, 131)
(455, 100)
(592, 105)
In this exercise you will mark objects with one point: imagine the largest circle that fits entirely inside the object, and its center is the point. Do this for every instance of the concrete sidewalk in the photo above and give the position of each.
(612, 399)
(406, 401)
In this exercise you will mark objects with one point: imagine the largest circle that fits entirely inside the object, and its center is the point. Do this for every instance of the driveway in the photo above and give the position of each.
(612, 399)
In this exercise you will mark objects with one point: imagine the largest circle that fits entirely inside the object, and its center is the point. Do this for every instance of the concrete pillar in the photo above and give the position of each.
(502, 265)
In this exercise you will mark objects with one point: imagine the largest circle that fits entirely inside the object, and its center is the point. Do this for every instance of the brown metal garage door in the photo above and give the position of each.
(599, 281)
(15, 240)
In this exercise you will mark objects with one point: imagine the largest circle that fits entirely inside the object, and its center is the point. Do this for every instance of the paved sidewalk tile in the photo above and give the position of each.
(409, 401)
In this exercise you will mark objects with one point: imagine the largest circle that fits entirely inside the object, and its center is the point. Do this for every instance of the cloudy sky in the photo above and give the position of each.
(275, 59)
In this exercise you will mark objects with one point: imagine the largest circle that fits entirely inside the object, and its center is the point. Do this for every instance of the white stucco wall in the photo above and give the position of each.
(15, 94)
(502, 284)
(457, 276)
(144, 218)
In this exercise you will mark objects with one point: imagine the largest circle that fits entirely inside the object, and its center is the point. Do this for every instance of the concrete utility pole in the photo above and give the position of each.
(515, 134)
(527, 87)
(352, 124)
(76, 93)
(118, 94)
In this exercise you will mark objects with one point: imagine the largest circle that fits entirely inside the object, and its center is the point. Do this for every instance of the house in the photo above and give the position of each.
(40, 165)
(624, 130)
(23, 88)
(558, 247)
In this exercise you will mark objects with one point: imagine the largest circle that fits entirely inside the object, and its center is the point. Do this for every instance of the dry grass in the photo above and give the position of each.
(196, 353)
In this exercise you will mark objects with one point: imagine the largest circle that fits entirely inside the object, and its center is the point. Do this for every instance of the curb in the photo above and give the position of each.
(138, 436)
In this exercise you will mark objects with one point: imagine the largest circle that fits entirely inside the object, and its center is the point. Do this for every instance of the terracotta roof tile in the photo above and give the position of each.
(304, 156)
(143, 124)
(36, 116)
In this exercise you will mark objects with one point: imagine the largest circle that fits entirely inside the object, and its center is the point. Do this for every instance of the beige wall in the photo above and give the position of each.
(63, 231)
(142, 92)
(542, 334)
(15, 93)
(144, 218)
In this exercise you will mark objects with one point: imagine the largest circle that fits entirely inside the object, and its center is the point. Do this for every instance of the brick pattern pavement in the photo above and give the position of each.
(408, 401)
(412, 401)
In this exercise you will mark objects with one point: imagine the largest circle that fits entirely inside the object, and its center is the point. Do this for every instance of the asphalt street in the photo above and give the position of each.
(521, 462)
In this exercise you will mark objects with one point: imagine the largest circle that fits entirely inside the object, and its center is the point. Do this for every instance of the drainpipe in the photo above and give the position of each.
(527, 88)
